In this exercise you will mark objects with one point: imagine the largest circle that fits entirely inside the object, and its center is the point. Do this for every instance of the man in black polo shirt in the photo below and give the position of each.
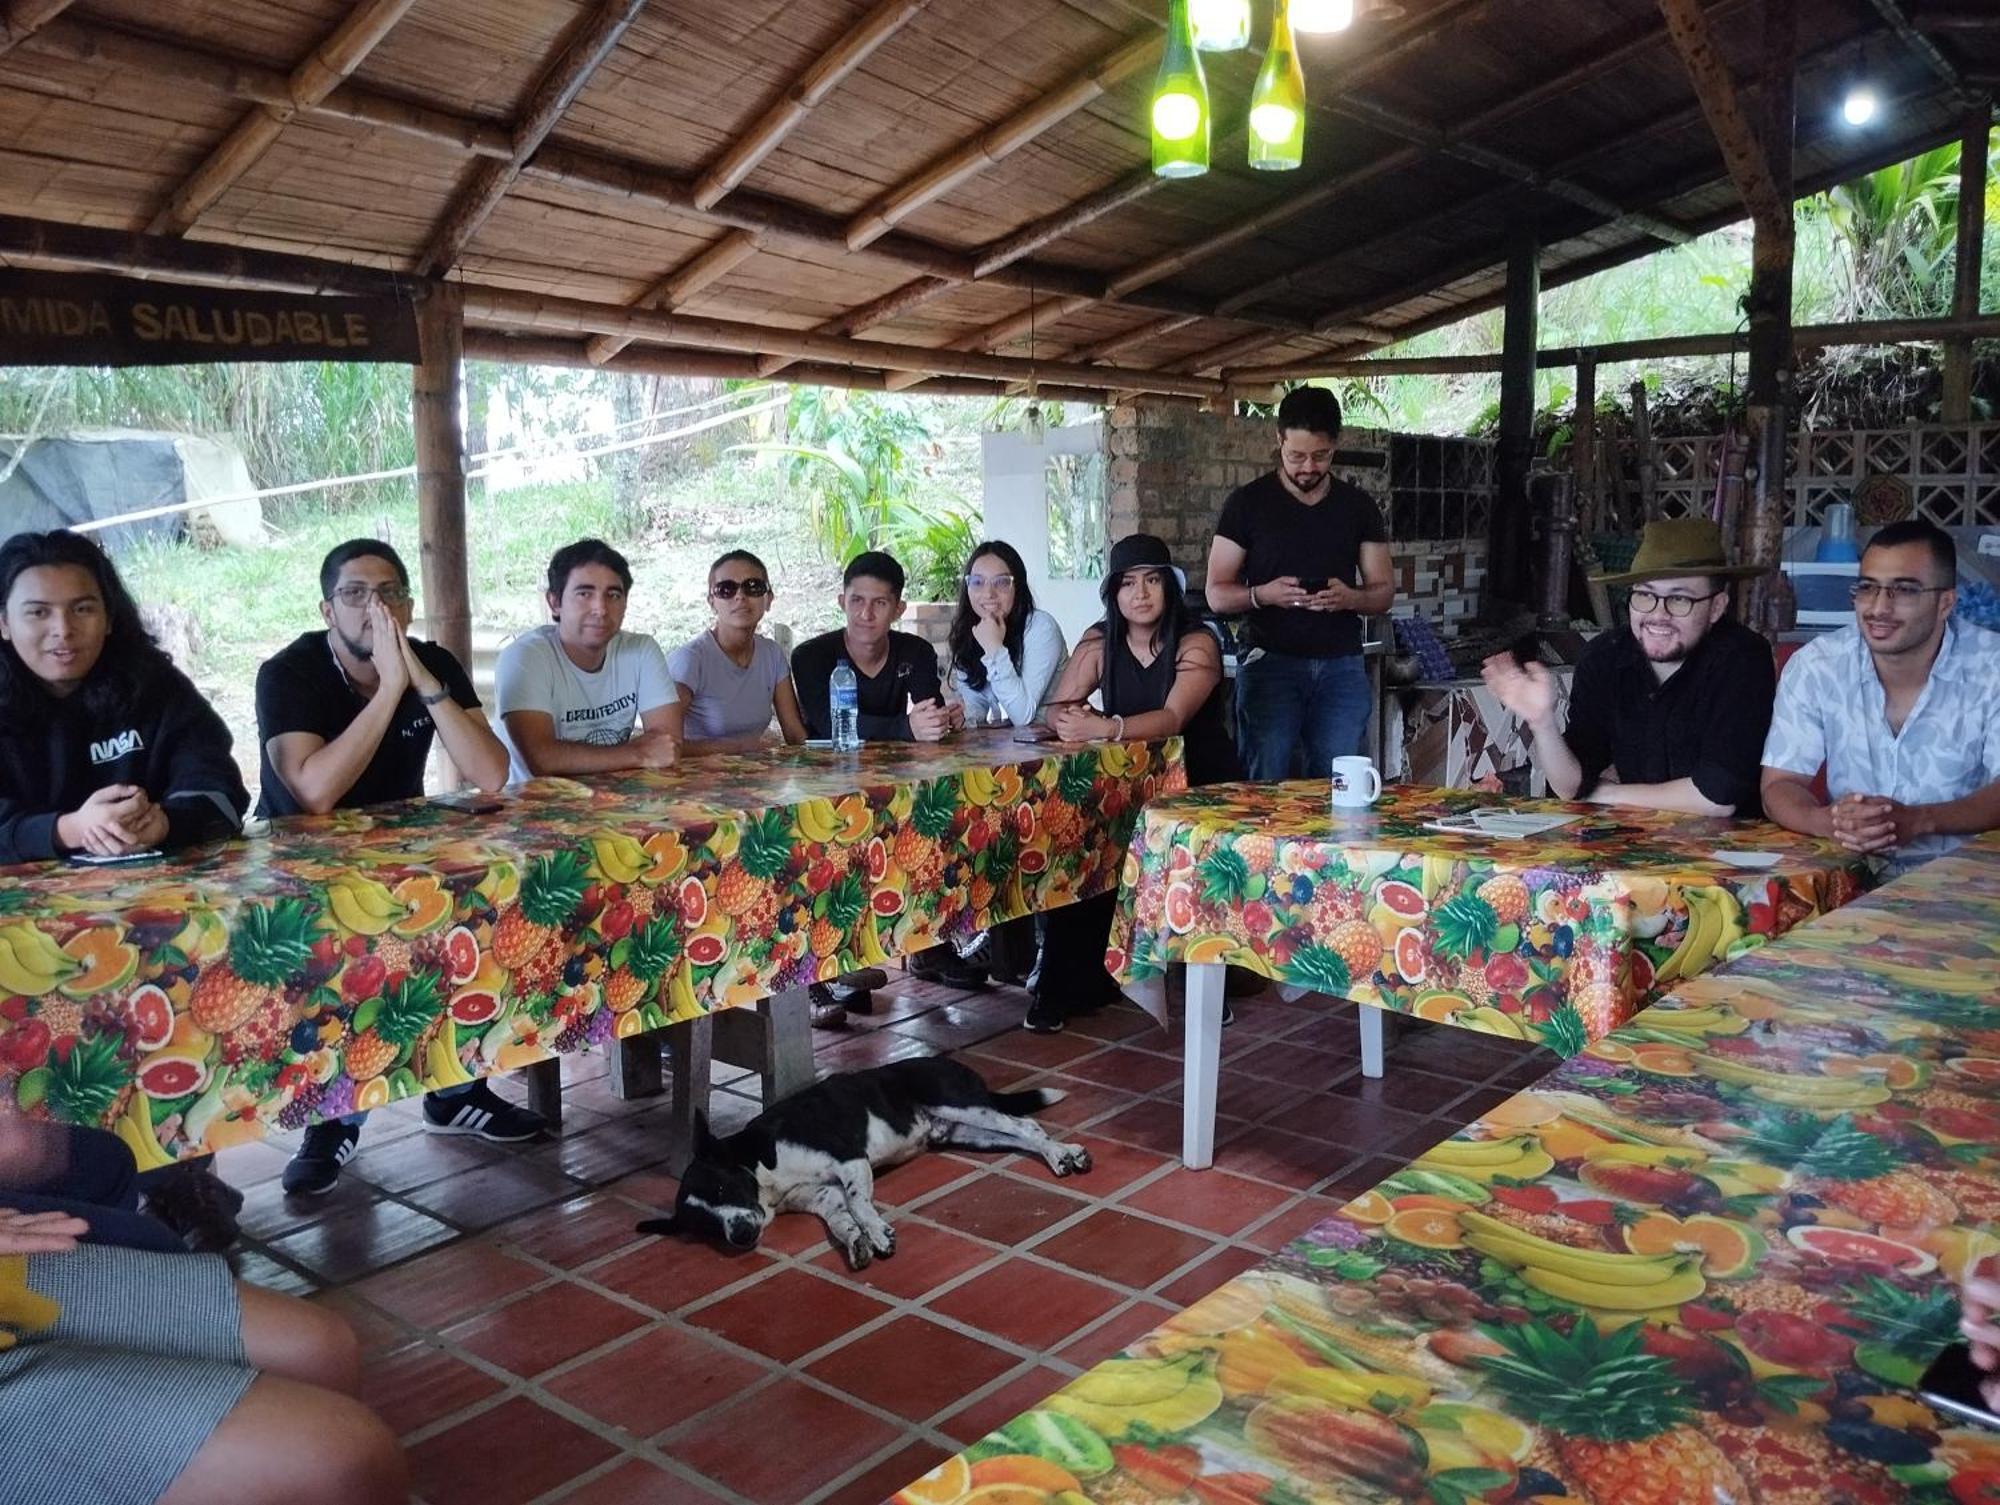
(1307, 557)
(345, 717)
(1670, 711)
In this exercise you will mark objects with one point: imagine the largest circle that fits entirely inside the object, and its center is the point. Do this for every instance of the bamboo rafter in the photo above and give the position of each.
(580, 56)
(1897, 20)
(21, 19)
(310, 82)
(1742, 149)
(707, 266)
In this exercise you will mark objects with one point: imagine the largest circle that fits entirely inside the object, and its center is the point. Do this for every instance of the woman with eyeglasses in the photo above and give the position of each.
(732, 678)
(1005, 652)
(107, 750)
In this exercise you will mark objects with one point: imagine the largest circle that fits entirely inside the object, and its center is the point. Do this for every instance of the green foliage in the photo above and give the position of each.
(1898, 226)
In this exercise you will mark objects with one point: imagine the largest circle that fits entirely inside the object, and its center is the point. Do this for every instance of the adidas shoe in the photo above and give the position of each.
(482, 1111)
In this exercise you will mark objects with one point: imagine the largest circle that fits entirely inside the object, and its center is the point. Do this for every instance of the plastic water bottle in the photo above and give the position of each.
(844, 692)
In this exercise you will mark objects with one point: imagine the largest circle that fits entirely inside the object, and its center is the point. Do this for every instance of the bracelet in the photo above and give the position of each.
(444, 693)
(1253, 595)
(1119, 735)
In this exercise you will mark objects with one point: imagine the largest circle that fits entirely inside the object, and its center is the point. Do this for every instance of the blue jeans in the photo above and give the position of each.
(1286, 705)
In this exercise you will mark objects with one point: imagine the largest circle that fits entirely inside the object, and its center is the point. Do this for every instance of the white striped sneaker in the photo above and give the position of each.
(482, 1111)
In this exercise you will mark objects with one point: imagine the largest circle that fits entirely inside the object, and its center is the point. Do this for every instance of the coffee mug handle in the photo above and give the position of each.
(1374, 782)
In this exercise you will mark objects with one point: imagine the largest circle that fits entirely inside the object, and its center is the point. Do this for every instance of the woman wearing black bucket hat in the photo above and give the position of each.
(1155, 669)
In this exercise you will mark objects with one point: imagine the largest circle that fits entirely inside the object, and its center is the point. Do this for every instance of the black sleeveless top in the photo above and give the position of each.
(1130, 688)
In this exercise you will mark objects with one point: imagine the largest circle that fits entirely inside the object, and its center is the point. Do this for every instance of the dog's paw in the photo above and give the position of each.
(1070, 1160)
(885, 1243)
(859, 1255)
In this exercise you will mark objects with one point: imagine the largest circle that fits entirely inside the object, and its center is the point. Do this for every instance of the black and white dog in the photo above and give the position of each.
(818, 1150)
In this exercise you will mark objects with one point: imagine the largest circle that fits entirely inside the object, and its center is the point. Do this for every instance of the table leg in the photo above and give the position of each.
(1204, 1064)
(1372, 1023)
(635, 1066)
(691, 1043)
(788, 1050)
(545, 1090)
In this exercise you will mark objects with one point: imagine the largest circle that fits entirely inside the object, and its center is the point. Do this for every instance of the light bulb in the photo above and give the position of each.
(1221, 25)
(1860, 106)
(1032, 428)
(1274, 123)
(1319, 17)
(1176, 116)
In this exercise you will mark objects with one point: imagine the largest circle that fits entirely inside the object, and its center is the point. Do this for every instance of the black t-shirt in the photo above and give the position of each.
(1281, 535)
(908, 676)
(301, 688)
(1706, 723)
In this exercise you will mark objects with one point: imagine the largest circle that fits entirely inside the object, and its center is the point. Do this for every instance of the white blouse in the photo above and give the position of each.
(1014, 696)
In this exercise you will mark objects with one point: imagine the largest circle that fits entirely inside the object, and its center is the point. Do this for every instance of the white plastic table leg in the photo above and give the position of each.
(1371, 1039)
(1204, 1064)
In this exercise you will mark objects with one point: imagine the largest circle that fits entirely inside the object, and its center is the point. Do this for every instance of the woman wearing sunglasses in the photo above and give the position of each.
(732, 679)
(1005, 653)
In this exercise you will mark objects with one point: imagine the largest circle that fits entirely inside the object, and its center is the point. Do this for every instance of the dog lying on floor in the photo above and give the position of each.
(818, 1150)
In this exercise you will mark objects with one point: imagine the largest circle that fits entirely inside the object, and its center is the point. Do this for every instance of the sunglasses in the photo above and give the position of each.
(726, 589)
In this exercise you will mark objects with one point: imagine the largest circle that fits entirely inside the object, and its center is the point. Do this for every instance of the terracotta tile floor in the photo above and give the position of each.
(532, 1348)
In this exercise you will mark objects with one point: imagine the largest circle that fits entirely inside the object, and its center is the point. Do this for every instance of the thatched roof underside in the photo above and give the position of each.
(558, 148)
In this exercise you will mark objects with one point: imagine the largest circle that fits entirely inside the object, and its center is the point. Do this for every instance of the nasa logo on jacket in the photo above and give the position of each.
(111, 749)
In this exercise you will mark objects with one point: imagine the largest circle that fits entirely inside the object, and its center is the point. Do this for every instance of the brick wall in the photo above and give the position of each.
(1169, 468)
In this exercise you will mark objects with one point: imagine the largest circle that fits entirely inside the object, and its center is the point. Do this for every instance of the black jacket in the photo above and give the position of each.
(168, 740)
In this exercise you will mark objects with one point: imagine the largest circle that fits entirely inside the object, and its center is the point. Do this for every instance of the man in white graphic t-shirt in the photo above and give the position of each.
(580, 695)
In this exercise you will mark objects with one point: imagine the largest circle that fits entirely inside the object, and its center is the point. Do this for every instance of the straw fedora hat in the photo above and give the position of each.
(1682, 546)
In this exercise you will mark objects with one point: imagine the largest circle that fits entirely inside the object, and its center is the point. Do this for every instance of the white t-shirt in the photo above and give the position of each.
(728, 701)
(534, 674)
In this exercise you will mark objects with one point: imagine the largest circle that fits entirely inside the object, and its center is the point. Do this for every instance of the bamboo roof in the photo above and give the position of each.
(812, 181)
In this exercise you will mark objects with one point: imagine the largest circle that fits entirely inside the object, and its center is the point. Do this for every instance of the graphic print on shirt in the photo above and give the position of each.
(584, 723)
(111, 749)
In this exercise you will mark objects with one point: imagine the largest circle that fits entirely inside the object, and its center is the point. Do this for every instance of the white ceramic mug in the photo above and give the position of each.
(1355, 783)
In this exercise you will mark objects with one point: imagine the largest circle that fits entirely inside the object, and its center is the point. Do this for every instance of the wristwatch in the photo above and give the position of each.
(444, 693)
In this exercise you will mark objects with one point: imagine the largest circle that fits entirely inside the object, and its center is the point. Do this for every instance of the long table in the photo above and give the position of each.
(1558, 938)
(1706, 1260)
(341, 962)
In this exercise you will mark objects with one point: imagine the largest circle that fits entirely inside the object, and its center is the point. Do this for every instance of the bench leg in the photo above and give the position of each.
(692, 1046)
(1371, 1021)
(1204, 1064)
(545, 1090)
(788, 1050)
(635, 1066)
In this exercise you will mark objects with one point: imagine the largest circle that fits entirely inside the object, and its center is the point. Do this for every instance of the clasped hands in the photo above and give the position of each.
(934, 720)
(1870, 823)
(115, 820)
(1285, 590)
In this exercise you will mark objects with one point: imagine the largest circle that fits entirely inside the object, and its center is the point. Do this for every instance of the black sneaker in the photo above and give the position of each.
(315, 1169)
(482, 1111)
(1043, 1018)
(943, 965)
(828, 1012)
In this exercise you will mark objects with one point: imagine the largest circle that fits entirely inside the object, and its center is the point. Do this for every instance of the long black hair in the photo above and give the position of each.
(130, 661)
(966, 654)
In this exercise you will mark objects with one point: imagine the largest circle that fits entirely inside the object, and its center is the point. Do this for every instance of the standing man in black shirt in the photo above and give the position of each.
(345, 717)
(1307, 557)
(1670, 711)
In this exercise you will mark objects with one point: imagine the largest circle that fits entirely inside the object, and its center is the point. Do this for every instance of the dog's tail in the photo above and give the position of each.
(1021, 1103)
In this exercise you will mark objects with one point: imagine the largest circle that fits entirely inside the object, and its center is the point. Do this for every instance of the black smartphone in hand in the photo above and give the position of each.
(1951, 1385)
(1312, 585)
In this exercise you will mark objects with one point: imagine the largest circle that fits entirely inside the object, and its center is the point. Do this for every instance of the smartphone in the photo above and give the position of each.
(91, 859)
(470, 802)
(1951, 1385)
(1312, 585)
(1527, 649)
(1037, 733)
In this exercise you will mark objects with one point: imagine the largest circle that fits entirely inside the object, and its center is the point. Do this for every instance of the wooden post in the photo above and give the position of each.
(1767, 389)
(1645, 463)
(441, 470)
(1507, 558)
(1957, 404)
(1583, 444)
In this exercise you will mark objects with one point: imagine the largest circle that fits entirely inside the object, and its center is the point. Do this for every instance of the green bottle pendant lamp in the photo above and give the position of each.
(1278, 103)
(1222, 25)
(1180, 102)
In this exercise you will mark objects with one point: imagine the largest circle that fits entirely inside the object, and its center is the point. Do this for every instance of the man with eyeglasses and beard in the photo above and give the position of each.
(1903, 708)
(346, 717)
(1670, 712)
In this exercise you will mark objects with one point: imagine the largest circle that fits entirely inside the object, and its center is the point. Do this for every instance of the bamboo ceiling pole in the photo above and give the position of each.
(310, 83)
(580, 56)
(706, 267)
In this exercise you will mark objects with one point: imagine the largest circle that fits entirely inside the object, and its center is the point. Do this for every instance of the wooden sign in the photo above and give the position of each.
(57, 319)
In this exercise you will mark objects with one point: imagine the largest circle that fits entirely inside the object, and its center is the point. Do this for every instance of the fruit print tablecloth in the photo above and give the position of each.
(1558, 939)
(343, 961)
(1705, 1261)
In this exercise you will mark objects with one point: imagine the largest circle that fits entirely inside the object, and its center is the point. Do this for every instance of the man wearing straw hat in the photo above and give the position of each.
(1669, 711)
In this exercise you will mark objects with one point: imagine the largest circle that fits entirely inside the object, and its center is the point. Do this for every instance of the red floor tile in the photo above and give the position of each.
(267, 1213)
(904, 1466)
(575, 1232)
(650, 1188)
(1113, 1166)
(1081, 1101)
(1025, 1303)
(1402, 1088)
(1118, 1246)
(544, 1328)
(808, 1437)
(640, 1483)
(1116, 1335)
(793, 1233)
(1117, 1023)
(413, 1386)
(912, 1367)
(925, 1259)
(1269, 1154)
(1216, 1271)
(1292, 1222)
(1240, 1095)
(1479, 1102)
(1127, 1070)
(1025, 1049)
(788, 1315)
(1211, 1199)
(482, 1198)
(1346, 1128)
(1268, 1015)
(351, 1244)
(1022, 1393)
(418, 1159)
(658, 1380)
(1294, 1065)
(668, 1273)
(439, 1289)
(1002, 1209)
(504, 1456)
(1153, 1124)
(1351, 1181)
(903, 1184)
